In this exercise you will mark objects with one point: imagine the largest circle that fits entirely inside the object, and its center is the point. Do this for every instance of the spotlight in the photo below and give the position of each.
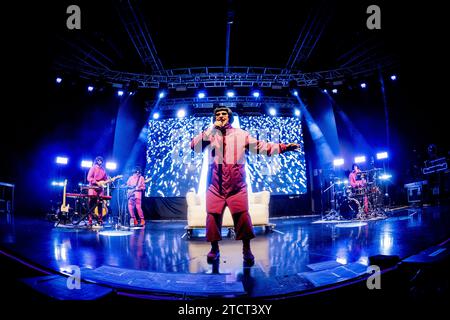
(382, 155)
(325, 91)
(57, 183)
(111, 165)
(162, 94)
(338, 162)
(363, 85)
(86, 163)
(156, 115)
(201, 95)
(58, 80)
(90, 88)
(120, 93)
(297, 113)
(181, 113)
(256, 94)
(62, 160)
(393, 77)
(230, 93)
(360, 159)
(385, 176)
(272, 111)
(334, 91)
(295, 93)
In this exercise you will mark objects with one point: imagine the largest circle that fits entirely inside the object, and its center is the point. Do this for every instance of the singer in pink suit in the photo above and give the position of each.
(226, 178)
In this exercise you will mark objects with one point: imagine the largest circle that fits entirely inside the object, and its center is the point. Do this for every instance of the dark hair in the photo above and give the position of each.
(137, 169)
(223, 108)
(99, 158)
(354, 165)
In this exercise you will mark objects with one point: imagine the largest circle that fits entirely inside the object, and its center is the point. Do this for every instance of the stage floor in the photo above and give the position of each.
(299, 256)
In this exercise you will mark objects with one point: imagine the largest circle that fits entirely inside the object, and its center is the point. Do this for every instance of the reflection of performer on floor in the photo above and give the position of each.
(357, 181)
(95, 177)
(136, 185)
(137, 250)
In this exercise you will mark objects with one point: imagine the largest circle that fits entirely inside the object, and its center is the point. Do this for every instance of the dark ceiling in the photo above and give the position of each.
(193, 33)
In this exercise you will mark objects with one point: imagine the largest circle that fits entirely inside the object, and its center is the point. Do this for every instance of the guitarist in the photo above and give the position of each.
(136, 184)
(95, 177)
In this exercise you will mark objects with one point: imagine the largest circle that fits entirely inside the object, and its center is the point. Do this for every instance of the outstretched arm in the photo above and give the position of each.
(268, 148)
(292, 146)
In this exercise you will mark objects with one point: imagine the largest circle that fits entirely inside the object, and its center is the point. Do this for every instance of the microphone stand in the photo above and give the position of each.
(332, 214)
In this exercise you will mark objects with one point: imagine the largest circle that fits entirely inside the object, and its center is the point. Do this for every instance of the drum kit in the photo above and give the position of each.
(357, 203)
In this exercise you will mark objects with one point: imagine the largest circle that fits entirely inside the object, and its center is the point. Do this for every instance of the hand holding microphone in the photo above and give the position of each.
(218, 124)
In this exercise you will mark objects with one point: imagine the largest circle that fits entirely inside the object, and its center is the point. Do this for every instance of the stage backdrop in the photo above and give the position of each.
(175, 169)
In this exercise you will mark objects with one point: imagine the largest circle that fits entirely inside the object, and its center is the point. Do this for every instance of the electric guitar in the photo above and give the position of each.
(104, 209)
(131, 191)
(103, 183)
(64, 207)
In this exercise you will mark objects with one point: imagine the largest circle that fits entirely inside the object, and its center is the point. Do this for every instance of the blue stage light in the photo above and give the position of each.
(62, 160)
(120, 93)
(385, 176)
(156, 115)
(201, 95)
(338, 162)
(382, 155)
(334, 91)
(90, 88)
(230, 93)
(162, 94)
(272, 111)
(393, 77)
(297, 113)
(363, 85)
(86, 163)
(256, 94)
(360, 159)
(58, 80)
(181, 113)
(111, 165)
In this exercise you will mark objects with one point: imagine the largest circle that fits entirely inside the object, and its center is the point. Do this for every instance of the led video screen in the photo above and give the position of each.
(174, 169)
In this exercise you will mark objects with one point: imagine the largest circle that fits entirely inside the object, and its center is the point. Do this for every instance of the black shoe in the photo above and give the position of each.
(249, 258)
(212, 256)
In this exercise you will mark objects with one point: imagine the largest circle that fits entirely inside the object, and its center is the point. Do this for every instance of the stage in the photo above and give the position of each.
(160, 262)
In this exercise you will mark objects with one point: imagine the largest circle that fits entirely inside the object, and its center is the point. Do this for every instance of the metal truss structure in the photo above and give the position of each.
(139, 35)
(214, 77)
(244, 102)
(357, 63)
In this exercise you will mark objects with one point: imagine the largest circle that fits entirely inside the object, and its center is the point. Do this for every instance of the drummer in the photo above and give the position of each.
(356, 178)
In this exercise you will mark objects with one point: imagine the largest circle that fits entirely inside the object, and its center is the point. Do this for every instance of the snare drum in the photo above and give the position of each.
(348, 191)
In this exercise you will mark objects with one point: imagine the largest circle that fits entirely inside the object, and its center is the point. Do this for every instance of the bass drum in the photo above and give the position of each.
(349, 208)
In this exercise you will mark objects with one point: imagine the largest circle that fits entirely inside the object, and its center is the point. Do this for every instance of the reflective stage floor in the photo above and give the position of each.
(299, 256)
